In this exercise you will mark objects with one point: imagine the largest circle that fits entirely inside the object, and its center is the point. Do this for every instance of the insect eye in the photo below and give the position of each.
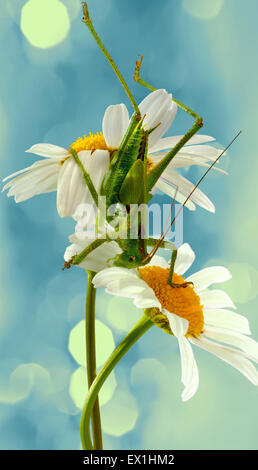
(132, 258)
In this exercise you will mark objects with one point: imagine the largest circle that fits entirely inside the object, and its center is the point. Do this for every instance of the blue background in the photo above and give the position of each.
(205, 52)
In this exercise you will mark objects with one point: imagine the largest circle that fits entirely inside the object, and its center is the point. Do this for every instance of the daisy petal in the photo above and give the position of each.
(182, 160)
(216, 299)
(247, 344)
(115, 123)
(126, 287)
(83, 238)
(185, 259)
(28, 168)
(190, 375)
(204, 278)
(174, 193)
(48, 150)
(40, 178)
(160, 111)
(143, 295)
(72, 190)
(97, 166)
(147, 301)
(232, 357)
(186, 187)
(178, 325)
(158, 261)
(35, 165)
(204, 152)
(170, 142)
(127, 283)
(103, 278)
(226, 319)
(85, 215)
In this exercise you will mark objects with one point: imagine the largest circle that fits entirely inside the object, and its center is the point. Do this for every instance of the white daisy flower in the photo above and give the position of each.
(59, 172)
(194, 314)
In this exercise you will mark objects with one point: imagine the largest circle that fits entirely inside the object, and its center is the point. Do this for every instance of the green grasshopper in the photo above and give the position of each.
(126, 181)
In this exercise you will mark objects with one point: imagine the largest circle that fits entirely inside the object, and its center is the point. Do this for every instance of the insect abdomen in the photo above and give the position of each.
(121, 164)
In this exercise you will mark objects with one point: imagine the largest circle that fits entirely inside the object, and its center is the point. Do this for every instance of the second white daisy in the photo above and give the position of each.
(194, 314)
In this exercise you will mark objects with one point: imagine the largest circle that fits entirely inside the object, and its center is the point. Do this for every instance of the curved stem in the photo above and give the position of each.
(91, 358)
(140, 328)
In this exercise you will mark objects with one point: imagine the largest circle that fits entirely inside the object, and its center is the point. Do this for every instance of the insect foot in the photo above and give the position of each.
(66, 266)
(184, 284)
(86, 15)
(138, 64)
(199, 122)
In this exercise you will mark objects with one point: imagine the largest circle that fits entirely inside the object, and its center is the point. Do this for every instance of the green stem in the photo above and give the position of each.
(130, 339)
(91, 358)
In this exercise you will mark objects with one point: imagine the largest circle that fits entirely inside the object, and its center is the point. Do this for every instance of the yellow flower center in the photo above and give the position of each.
(182, 301)
(91, 142)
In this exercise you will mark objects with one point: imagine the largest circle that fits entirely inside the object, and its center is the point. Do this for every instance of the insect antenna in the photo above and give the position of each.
(164, 233)
(154, 249)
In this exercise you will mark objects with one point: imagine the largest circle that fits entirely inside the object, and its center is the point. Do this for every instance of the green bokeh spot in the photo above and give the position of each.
(203, 9)
(119, 416)
(122, 313)
(104, 343)
(23, 380)
(78, 387)
(45, 23)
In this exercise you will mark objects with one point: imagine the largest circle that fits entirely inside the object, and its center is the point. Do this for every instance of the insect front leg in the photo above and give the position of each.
(158, 169)
(77, 259)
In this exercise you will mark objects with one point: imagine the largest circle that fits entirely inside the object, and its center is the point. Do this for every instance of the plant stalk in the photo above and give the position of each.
(91, 359)
(130, 339)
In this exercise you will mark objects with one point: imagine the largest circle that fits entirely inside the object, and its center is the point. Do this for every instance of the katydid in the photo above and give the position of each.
(127, 181)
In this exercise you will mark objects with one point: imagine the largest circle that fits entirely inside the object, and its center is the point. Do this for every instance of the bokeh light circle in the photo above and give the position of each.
(203, 9)
(79, 385)
(104, 343)
(45, 23)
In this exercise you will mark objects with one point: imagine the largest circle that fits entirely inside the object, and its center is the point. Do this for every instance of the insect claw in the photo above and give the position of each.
(199, 122)
(67, 265)
(86, 15)
(137, 68)
(184, 284)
